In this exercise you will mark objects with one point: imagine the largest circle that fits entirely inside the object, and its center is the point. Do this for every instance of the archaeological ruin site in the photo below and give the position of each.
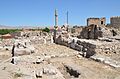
(65, 52)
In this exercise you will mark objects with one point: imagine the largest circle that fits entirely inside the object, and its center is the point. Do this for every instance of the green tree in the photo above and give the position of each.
(6, 31)
(46, 29)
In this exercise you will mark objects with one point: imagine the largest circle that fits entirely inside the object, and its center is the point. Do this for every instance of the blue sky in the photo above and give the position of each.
(41, 12)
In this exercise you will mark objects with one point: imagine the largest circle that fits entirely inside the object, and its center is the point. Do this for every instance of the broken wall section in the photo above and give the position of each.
(94, 32)
(90, 47)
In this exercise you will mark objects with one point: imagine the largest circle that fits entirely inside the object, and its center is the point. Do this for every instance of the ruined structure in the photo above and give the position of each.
(96, 21)
(91, 32)
(76, 30)
(115, 21)
(35, 56)
(96, 28)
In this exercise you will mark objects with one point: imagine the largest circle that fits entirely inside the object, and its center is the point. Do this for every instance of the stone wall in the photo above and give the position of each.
(90, 32)
(90, 47)
(75, 31)
(94, 32)
(85, 47)
(115, 21)
(96, 21)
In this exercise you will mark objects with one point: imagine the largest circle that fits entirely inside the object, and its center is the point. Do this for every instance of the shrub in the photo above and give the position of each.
(18, 75)
(46, 29)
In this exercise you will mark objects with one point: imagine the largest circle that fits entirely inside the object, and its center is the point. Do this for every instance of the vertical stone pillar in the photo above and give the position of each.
(56, 26)
(51, 39)
(67, 23)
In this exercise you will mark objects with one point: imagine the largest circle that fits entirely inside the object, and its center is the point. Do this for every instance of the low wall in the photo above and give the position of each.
(91, 47)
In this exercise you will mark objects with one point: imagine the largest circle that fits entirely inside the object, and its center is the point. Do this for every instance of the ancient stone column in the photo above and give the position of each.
(56, 26)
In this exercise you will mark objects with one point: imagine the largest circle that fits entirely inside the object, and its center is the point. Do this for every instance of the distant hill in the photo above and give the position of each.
(18, 27)
(6, 27)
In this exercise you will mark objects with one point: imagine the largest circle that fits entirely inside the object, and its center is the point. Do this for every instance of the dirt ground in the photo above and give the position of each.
(58, 57)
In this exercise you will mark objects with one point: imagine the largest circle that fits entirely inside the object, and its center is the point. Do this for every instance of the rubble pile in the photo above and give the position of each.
(109, 47)
(94, 32)
(22, 48)
(37, 37)
(35, 56)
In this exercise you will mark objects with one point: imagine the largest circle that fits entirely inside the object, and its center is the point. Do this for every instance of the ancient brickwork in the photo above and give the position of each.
(115, 21)
(75, 31)
(109, 47)
(91, 32)
(96, 21)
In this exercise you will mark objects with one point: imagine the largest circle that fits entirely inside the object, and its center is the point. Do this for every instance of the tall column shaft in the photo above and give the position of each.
(56, 26)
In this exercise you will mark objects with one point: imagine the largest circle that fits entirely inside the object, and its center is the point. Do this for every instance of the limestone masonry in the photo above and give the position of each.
(115, 21)
(83, 52)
